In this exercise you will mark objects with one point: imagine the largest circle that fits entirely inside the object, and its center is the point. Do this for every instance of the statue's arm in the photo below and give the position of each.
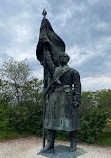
(48, 60)
(77, 88)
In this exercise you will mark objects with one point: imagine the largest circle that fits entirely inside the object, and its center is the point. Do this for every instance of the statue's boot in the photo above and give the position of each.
(50, 142)
(73, 141)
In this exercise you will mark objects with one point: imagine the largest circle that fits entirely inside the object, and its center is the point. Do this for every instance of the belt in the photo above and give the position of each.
(63, 88)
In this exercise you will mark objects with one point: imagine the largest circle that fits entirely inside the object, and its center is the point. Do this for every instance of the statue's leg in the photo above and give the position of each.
(73, 141)
(50, 142)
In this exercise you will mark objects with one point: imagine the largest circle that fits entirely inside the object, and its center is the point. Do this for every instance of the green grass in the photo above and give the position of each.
(105, 138)
(107, 129)
(4, 135)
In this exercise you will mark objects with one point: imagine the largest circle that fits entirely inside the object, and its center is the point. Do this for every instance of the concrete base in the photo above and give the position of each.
(62, 151)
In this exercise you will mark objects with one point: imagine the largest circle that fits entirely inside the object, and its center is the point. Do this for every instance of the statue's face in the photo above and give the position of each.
(63, 58)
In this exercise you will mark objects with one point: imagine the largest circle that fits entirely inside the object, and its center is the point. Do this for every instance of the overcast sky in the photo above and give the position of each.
(84, 25)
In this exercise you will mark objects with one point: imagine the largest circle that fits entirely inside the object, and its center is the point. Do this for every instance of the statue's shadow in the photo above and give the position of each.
(62, 151)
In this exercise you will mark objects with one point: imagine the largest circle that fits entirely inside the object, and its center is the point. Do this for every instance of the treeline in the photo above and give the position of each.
(21, 104)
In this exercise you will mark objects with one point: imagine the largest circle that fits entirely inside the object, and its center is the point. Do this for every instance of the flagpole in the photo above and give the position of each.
(44, 122)
(44, 99)
(44, 13)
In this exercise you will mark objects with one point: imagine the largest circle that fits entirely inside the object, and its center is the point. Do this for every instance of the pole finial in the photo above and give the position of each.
(44, 13)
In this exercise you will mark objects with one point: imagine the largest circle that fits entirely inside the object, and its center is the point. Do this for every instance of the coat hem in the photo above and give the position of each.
(63, 129)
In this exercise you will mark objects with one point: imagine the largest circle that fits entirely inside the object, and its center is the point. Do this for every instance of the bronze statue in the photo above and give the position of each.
(62, 84)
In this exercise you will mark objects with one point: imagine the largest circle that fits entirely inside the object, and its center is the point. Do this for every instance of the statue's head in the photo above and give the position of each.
(64, 58)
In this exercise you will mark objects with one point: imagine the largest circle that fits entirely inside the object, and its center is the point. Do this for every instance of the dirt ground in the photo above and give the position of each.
(29, 147)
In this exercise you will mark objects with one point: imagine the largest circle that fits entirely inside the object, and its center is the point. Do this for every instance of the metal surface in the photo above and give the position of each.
(44, 122)
(62, 151)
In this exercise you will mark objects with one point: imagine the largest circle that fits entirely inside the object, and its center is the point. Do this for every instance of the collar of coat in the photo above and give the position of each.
(61, 70)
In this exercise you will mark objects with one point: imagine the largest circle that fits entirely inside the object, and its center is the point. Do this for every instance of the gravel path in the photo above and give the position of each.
(29, 147)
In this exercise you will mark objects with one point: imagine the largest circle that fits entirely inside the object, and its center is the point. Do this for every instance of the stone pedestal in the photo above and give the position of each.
(62, 151)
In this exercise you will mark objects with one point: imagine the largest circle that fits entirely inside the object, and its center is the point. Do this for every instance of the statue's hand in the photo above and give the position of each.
(44, 95)
(75, 103)
(45, 47)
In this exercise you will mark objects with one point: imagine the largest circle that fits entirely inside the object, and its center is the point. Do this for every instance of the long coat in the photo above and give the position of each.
(61, 114)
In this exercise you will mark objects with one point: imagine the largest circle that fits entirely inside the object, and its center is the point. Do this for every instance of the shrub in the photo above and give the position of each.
(92, 125)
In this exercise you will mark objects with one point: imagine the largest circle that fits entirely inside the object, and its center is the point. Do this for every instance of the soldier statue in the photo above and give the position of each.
(64, 93)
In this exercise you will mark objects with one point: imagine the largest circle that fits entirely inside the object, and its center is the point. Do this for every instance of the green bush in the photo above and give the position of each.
(33, 124)
(62, 135)
(92, 125)
(5, 113)
(92, 117)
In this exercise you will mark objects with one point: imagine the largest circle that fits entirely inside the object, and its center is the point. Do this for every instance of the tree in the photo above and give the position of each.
(14, 74)
(24, 90)
(15, 71)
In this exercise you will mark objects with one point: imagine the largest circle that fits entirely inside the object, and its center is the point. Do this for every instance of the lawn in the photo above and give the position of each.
(4, 135)
(105, 138)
